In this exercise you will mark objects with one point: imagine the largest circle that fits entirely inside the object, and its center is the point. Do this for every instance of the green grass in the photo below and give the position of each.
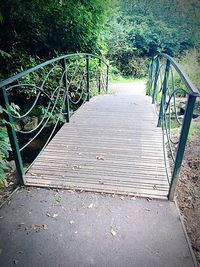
(194, 129)
(120, 79)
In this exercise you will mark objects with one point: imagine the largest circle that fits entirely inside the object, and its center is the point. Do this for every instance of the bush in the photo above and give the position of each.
(190, 62)
(136, 67)
(5, 148)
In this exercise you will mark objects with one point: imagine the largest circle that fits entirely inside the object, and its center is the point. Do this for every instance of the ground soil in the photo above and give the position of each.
(9, 185)
(188, 193)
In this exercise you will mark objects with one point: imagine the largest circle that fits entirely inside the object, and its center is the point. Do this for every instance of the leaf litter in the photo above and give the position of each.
(113, 232)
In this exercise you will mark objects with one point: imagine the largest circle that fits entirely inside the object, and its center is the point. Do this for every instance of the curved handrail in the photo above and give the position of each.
(25, 72)
(64, 84)
(165, 90)
(189, 84)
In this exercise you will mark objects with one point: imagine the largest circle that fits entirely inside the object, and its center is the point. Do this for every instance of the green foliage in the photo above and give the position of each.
(34, 31)
(40, 27)
(140, 29)
(5, 147)
(190, 63)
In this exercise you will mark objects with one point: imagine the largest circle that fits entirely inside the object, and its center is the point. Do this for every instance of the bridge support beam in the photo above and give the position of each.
(181, 145)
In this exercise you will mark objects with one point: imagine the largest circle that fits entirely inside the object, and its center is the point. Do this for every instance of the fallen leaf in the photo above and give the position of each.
(113, 232)
(45, 226)
(33, 174)
(58, 199)
(76, 167)
(91, 206)
(99, 158)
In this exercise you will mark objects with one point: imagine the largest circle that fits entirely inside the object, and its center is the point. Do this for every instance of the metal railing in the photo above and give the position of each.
(44, 97)
(174, 96)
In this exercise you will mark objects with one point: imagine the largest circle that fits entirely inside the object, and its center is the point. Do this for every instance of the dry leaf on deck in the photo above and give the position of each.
(113, 232)
(45, 226)
(99, 158)
(91, 206)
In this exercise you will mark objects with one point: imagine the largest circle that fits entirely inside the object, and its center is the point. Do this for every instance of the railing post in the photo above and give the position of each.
(164, 91)
(107, 76)
(99, 89)
(66, 95)
(12, 136)
(149, 92)
(88, 77)
(155, 80)
(181, 146)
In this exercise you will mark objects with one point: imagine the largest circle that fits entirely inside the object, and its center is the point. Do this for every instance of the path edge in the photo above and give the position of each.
(186, 235)
(10, 196)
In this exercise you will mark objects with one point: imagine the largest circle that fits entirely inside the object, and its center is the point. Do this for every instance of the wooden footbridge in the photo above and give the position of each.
(109, 145)
(112, 143)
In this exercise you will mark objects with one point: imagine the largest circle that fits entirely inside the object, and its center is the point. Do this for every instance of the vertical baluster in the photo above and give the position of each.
(107, 76)
(12, 136)
(155, 80)
(66, 95)
(164, 92)
(182, 143)
(99, 77)
(88, 77)
(151, 67)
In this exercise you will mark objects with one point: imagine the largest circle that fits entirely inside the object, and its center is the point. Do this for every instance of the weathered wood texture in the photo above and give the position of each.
(111, 145)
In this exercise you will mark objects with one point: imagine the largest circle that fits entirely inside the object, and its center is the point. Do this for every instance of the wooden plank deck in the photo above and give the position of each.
(111, 145)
